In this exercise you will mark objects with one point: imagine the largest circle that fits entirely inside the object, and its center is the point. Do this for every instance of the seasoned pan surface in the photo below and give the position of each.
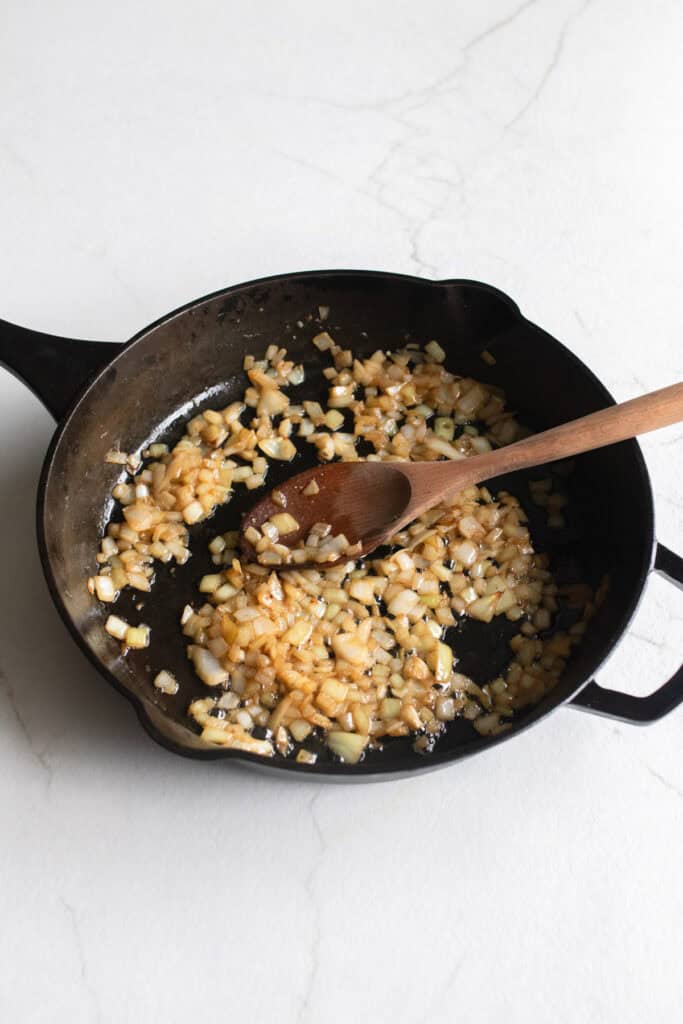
(193, 358)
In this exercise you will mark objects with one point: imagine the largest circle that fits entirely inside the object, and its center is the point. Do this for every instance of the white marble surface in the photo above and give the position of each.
(153, 152)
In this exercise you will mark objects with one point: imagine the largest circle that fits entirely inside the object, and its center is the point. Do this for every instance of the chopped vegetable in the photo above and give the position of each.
(166, 682)
(355, 653)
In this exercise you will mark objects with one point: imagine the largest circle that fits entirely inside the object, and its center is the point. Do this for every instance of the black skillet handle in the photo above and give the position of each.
(55, 369)
(640, 710)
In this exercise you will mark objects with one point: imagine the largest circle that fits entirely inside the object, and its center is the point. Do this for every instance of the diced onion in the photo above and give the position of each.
(348, 746)
(208, 668)
(166, 682)
(116, 627)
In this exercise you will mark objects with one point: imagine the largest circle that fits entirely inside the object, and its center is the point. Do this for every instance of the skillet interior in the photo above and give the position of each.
(193, 359)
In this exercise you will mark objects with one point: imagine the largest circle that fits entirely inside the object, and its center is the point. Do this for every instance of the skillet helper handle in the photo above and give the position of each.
(55, 369)
(625, 706)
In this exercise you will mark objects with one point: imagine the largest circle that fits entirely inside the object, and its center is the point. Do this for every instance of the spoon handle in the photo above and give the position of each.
(616, 423)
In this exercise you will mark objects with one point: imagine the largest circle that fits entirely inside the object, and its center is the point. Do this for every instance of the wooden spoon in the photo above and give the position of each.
(371, 501)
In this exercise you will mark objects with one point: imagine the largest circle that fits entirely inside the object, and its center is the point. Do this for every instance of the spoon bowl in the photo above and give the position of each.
(360, 500)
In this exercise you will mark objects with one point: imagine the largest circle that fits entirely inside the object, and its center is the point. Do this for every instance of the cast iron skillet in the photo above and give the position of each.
(106, 393)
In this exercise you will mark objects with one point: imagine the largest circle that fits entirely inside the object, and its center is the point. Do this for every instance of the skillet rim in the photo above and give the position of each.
(335, 771)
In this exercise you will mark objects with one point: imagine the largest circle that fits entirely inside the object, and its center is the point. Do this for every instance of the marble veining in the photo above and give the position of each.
(306, 1008)
(23, 727)
(529, 145)
(80, 953)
